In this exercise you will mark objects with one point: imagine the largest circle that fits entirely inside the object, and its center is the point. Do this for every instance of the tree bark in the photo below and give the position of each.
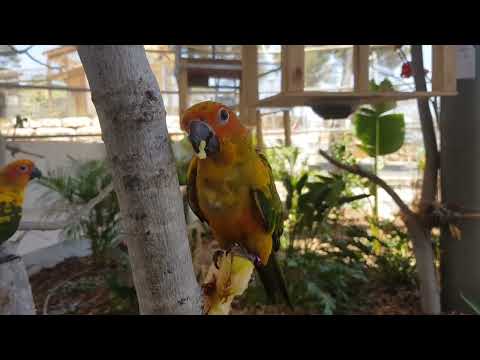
(132, 117)
(432, 157)
(15, 293)
(460, 180)
(421, 233)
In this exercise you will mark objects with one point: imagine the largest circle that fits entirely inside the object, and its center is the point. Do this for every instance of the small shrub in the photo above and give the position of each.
(77, 187)
(316, 283)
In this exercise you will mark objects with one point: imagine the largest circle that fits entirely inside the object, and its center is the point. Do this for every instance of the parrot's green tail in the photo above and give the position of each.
(274, 282)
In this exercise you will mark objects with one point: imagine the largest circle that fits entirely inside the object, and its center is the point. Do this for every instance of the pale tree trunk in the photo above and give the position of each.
(15, 293)
(3, 155)
(132, 117)
(424, 257)
(421, 237)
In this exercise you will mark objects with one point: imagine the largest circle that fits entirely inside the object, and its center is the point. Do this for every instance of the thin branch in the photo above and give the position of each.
(15, 51)
(63, 283)
(355, 169)
(72, 219)
(14, 149)
(26, 52)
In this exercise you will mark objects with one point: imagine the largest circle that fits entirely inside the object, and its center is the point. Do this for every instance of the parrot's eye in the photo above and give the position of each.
(223, 116)
(23, 168)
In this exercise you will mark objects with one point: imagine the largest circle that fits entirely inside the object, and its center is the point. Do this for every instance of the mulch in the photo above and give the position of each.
(76, 286)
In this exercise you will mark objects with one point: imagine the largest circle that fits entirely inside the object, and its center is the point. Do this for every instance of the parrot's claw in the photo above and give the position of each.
(216, 256)
(209, 288)
(241, 251)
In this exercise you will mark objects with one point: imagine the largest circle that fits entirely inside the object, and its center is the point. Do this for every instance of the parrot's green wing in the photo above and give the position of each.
(192, 195)
(269, 204)
(10, 216)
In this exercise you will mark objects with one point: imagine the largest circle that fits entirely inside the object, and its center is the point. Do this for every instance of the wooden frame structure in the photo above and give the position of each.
(293, 70)
(195, 72)
(293, 93)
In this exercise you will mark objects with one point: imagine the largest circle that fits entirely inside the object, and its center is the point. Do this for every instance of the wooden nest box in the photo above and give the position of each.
(291, 75)
(197, 65)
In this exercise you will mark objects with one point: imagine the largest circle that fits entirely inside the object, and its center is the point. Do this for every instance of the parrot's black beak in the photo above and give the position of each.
(200, 132)
(36, 173)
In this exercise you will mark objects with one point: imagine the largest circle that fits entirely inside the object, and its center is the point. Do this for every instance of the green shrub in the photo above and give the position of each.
(316, 283)
(77, 187)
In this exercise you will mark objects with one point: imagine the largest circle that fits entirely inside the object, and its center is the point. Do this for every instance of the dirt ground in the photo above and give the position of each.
(77, 287)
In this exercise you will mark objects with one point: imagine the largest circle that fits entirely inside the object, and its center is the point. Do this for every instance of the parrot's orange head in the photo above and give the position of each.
(19, 173)
(210, 122)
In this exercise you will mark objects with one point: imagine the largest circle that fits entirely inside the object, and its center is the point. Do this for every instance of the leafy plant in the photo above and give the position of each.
(323, 194)
(288, 168)
(380, 133)
(183, 153)
(77, 187)
(389, 249)
(390, 128)
(317, 282)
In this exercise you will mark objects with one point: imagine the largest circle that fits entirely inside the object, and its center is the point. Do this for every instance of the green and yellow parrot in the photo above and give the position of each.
(230, 186)
(14, 179)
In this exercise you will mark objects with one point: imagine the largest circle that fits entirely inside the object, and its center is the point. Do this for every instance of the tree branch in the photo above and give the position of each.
(14, 149)
(355, 169)
(432, 161)
(14, 51)
(72, 219)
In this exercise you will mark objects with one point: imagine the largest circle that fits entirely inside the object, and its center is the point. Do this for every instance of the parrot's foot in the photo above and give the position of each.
(241, 251)
(7, 258)
(209, 288)
(216, 256)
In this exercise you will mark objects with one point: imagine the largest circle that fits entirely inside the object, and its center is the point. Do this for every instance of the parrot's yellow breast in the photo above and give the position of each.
(224, 197)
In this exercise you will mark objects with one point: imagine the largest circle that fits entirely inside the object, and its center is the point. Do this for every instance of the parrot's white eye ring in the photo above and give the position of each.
(23, 168)
(223, 116)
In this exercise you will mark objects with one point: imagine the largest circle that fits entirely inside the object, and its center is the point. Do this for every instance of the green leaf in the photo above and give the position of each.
(392, 132)
(301, 183)
(384, 86)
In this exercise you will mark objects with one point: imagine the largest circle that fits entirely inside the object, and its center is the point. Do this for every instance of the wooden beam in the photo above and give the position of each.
(444, 76)
(259, 129)
(183, 91)
(287, 128)
(249, 85)
(293, 68)
(361, 74)
(309, 98)
(5, 85)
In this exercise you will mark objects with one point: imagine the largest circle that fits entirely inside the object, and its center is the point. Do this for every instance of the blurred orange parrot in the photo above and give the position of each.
(230, 186)
(14, 178)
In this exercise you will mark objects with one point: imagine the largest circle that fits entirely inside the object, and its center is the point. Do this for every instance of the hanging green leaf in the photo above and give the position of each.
(392, 132)
(384, 86)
